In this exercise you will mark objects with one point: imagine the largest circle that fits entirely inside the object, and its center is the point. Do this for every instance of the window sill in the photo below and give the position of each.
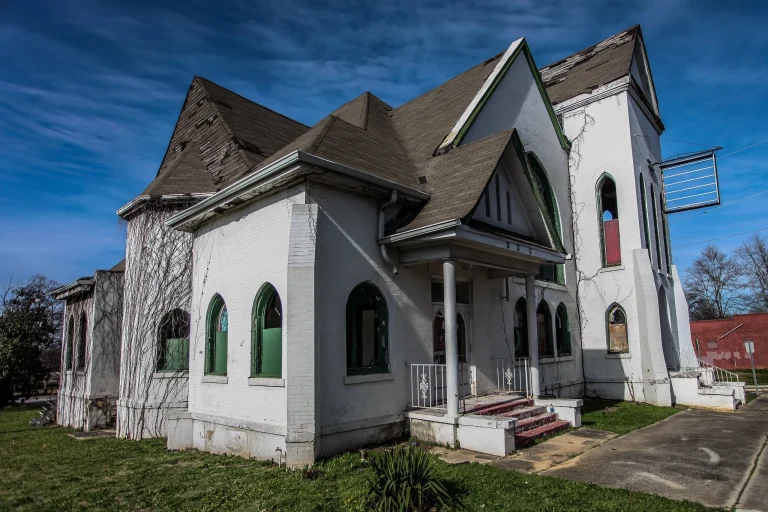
(171, 374)
(371, 377)
(215, 379)
(267, 382)
(612, 268)
(622, 355)
(551, 285)
(547, 359)
(562, 359)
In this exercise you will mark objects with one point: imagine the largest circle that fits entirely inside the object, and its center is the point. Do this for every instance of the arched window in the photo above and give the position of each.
(562, 331)
(267, 334)
(553, 273)
(367, 326)
(608, 208)
(68, 352)
(616, 319)
(521, 329)
(644, 204)
(173, 342)
(665, 233)
(82, 337)
(544, 330)
(438, 337)
(216, 342)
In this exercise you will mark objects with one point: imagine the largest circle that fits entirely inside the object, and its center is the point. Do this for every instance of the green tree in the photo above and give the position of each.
(30, 324)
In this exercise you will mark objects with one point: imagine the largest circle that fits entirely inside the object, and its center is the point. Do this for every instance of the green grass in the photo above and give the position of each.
(44, 469)
(751, 396)
(622, 417)
(746, 376)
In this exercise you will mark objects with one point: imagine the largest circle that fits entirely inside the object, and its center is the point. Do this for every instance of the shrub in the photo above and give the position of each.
(404, 479)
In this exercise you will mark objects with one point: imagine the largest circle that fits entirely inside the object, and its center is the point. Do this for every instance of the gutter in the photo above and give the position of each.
(64, 291)
(138, 201)
(251, 181)
(382, 247)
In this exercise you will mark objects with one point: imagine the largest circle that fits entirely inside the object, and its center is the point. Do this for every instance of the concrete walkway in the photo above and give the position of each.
(719, 459)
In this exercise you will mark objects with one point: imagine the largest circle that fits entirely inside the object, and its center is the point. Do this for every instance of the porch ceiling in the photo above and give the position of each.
(462, 243)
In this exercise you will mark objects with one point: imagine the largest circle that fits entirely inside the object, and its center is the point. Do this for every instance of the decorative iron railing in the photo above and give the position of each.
(429, 385)
(513, 375)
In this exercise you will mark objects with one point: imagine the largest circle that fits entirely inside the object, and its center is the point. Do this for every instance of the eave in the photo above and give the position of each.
(75, 288)
(143, 199)
(283, 171)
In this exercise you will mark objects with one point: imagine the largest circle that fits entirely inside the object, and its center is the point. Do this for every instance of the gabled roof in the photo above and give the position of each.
(406, 145)
(186, 173)
(592, 67)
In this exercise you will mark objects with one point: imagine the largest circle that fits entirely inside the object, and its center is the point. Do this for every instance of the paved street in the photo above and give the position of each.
(714, 458)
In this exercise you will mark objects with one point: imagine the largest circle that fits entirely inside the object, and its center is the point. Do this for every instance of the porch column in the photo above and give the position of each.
(533, 337)
(451, 345)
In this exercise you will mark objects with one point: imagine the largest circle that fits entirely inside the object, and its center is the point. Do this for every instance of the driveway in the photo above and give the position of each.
(718, 459)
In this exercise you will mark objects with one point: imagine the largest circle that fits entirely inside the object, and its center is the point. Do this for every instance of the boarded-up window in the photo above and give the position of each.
(608, 209)
(618, 341)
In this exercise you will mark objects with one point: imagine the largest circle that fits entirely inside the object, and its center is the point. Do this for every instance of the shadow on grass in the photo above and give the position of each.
(598, 404)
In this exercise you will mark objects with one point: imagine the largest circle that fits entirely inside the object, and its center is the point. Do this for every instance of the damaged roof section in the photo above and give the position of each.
(588, 69)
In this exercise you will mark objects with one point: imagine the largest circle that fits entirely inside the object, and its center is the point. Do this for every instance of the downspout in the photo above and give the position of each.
(384, 251)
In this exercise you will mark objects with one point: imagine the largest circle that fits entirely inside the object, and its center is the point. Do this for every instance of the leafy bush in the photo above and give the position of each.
(404, 479)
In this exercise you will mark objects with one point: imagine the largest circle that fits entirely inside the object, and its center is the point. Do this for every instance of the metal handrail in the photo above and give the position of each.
(719, 374)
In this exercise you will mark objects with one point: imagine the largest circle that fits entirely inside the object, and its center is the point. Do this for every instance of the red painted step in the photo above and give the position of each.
(522, 413)
(528, 437)
(497, 409)
(535, 422)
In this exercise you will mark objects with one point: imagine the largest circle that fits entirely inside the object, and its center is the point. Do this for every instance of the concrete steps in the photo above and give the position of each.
(528, 437)
(502, 408)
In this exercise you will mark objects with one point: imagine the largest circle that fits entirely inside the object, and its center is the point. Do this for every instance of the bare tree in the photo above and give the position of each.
(713, 285)
(752, 257)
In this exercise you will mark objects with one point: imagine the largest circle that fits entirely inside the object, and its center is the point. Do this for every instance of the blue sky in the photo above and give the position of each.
(90, 92)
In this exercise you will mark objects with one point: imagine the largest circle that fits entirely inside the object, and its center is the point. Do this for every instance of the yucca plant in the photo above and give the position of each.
(405, 480)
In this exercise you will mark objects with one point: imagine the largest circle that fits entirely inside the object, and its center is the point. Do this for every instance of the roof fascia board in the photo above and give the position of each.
(145, 198)
(470, 113)
(79, 286)
(251, 181)
(647, 64)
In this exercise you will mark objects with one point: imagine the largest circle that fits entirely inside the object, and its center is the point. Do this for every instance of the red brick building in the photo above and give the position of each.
(721, 342)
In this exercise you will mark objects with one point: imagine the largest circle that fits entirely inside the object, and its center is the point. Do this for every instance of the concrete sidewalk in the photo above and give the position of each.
(718, 459)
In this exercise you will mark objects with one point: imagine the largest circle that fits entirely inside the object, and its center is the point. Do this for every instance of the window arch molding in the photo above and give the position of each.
(562, 331)
(367, 330)
(173, 341)
(608, 220)
(267, 333)
(217, 328)
(617, 334)
(82, 342)
(69, 344)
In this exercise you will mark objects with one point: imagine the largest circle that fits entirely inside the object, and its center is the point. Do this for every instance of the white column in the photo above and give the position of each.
(533, 337)
(451, 345)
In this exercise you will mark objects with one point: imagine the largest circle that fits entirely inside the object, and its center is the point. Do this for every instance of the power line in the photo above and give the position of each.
(742, 149)
(721, 237)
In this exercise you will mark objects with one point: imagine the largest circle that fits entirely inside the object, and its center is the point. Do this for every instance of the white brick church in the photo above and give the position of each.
(465, 266)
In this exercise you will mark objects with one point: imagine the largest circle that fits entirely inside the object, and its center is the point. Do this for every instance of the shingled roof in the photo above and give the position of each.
(367, 134)
(590, 68)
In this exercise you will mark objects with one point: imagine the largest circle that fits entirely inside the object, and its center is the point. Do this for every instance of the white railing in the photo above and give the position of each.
(711, 374)
(429, 385)
(513, 375)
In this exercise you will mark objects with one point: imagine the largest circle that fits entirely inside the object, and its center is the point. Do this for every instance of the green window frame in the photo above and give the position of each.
(173, 342)
(82, 343)
(521, 329)
(216, 339)
(644, 204)
(665, 232)
(267, 334)
(562, 331)
(546, 342)
(553, 273)
(68, 353)
(367, 331)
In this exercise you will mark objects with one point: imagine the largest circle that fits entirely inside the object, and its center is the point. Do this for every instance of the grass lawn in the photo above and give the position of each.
(44, 469)
(746, 376)
(622, 417)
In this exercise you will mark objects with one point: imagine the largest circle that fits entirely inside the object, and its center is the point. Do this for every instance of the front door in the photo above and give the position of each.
(462, 339)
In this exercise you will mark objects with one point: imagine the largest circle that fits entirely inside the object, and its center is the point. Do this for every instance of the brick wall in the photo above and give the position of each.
(729, 353)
